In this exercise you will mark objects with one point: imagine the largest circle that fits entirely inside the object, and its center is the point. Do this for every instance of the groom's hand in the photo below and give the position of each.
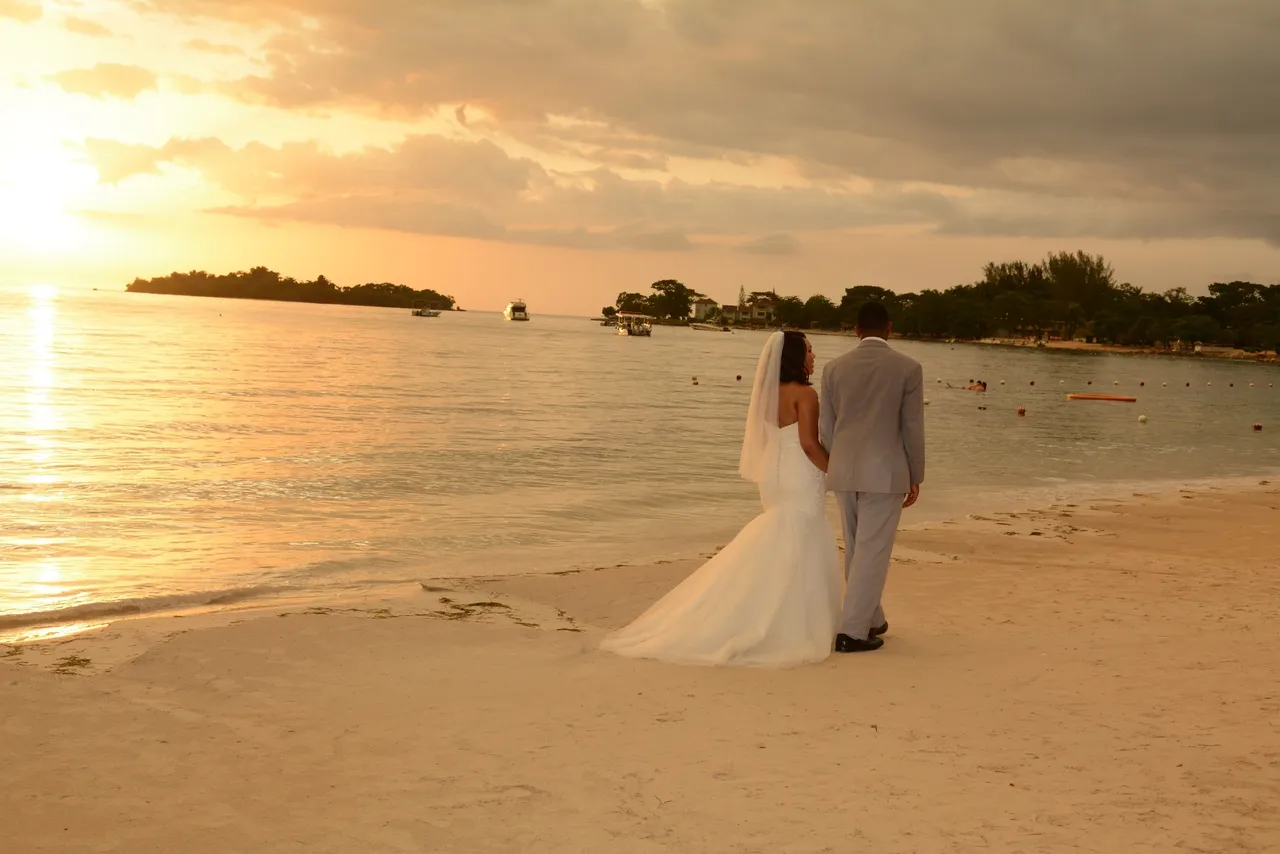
(913, 496)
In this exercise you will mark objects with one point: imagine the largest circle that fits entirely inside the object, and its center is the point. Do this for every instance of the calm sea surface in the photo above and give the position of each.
(157, 451)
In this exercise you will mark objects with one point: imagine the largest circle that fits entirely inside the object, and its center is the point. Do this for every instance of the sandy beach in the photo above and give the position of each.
(1079, 678)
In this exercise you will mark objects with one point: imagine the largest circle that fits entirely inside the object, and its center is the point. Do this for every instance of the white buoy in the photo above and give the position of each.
(1001, 382)
(1142, 419)
(926, 401)
(1164, 385)
(1117, 382)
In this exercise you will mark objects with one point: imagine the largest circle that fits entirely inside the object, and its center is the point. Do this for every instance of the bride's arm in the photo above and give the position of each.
(808, 411)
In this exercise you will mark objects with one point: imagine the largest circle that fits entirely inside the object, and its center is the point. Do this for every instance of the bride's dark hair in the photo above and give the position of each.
(794, 354)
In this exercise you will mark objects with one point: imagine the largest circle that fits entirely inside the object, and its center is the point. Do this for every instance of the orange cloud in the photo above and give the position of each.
(1140, 103)
(116, 161)
(23, 11)
(206, 46)
(106, 79)
(430, 184)
(85, 27)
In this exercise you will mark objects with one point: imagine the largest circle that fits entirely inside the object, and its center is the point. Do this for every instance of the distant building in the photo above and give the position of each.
(762, 309)
(705, 307)
(752, 311)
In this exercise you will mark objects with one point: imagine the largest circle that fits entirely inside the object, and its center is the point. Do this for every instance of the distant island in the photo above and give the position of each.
(261, 283)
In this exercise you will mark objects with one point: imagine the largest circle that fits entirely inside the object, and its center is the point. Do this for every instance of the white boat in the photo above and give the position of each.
(516, 310)
(634, 323)
(426, 312)
(709, 327)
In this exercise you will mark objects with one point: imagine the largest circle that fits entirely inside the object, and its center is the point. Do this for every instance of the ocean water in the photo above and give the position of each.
(161, 451)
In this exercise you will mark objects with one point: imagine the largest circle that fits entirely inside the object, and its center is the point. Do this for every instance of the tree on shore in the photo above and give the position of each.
(671, 300)
(1069, 295)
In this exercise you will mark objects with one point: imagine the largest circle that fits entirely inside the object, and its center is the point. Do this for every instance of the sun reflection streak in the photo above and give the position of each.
(42, 366)
(47, 572)
(35, 360)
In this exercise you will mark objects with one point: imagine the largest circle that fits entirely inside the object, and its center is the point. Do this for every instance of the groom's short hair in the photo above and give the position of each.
(873, 317)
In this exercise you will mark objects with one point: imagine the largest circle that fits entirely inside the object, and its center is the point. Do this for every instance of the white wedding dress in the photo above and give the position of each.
(772, 597)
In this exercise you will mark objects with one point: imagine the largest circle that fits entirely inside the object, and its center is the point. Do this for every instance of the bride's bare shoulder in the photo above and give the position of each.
(798, 391)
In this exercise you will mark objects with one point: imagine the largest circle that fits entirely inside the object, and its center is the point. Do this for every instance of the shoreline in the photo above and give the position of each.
(1263, 358)
(1085, 675)
(45, 626)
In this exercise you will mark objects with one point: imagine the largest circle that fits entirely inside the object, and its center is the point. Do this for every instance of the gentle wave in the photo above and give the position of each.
(139, 605)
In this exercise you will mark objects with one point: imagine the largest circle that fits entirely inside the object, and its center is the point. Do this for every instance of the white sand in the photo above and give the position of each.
(1109, 685)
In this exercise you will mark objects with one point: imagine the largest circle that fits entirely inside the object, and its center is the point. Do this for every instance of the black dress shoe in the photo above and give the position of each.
(877, 631)
(844, 643)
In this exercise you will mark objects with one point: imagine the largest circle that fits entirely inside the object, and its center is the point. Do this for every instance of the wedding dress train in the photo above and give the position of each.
(772, 597)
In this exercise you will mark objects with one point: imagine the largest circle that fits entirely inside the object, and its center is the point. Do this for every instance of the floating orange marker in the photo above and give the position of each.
(1022, 410)
(1257, 428)
(1117, 398)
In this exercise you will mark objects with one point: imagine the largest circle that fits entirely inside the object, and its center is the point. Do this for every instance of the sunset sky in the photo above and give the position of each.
(565, 150)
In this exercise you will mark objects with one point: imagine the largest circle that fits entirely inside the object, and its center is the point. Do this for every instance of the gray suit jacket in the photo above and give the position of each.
(872, 420)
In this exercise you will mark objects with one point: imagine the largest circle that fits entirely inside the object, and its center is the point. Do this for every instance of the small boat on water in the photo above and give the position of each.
(516, 310)
(634, 323)
(426, 312)
(709, 327)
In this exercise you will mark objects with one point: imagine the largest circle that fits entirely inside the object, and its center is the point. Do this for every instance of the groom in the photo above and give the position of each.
(872, 425)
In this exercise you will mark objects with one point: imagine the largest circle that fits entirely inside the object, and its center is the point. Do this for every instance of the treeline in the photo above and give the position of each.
(1065, 296)
(670, 300)
(261, 283)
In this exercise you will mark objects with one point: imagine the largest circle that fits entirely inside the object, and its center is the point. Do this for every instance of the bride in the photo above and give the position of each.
(772, 597)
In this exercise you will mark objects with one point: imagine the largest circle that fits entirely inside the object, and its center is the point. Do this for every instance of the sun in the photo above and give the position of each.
(37, 189)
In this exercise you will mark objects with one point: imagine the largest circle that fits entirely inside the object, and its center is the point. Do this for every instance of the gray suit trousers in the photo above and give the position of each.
(870, 523)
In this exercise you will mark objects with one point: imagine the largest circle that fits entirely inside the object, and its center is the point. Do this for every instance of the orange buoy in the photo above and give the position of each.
(1022, 410)
(1257, 428)
(1117, 398)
